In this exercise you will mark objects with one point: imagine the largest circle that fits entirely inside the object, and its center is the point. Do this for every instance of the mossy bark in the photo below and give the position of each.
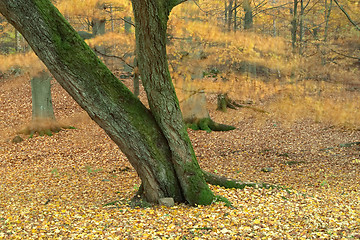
(234, 183)
(151, 18)
(155, 142)
(208, 125)
(107, 101)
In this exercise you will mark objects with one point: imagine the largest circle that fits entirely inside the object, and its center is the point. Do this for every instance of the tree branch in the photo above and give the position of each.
(344, 55)
(347, 15)
(113, 56)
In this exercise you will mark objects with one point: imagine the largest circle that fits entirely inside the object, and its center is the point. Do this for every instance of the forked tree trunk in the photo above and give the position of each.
(151, 17)
(156, 143)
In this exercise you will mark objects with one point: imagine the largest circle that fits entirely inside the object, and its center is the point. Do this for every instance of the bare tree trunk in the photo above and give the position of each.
(248, 21)
(328, 8)
(301, 26)
(111, 18)
(17, 41)
(43, 118)
(136, 80)
(235, 16)
(226, 13)
(42, 107)
(294, 25)
(230, 14)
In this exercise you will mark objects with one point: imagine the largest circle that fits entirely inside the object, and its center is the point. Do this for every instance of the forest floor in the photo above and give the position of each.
(76, 184)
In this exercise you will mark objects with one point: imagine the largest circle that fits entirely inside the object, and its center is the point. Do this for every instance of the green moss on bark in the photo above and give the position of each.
(208, 125)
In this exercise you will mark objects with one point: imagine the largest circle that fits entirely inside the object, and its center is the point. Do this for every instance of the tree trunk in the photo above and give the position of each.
(301, 26)
(196, 114)
(225, 13)
(17, 41)
(136, 79)
(42, 107)
(43, 117)
(248, 21)
(230, 14)
(151, 18)
(294, 25)
(107, 101)
(327, 11)
(127, 25)
(235, 15)
(156, 143)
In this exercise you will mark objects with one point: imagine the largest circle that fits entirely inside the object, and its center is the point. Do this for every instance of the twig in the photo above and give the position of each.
(113, 56)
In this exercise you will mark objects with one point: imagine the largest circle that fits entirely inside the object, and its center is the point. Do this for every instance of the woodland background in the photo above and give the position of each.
(291, 67)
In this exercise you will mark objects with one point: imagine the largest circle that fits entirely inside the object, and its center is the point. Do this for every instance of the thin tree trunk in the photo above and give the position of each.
(17, 41)
(111, 18)
(136, 80)
(294, 25)
(323, 51)
(328, 8)
(226, 13)
(274, 28)
(230, 14)
(235, 16)
(301, 26)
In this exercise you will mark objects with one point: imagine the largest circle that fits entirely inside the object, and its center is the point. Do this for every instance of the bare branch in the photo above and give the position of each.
(112, 56)
(347, 15)
(344, 55)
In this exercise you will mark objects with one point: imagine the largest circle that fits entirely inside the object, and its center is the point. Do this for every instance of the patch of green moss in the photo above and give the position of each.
(208, 125)
(219, 198)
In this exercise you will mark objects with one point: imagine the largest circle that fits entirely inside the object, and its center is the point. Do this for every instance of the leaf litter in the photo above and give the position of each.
(76, 184)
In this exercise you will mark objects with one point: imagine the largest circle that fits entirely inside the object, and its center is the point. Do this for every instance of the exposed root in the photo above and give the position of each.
(214, 179)
(208, 125)
(139, 200)
(224, 102)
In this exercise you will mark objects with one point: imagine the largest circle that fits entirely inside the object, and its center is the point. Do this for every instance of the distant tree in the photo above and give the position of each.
(155, 141)
(294, 24)
(43, 118)
(248, 21)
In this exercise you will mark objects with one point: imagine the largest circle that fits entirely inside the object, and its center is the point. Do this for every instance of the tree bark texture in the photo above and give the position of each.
(107, 101)
(151, 17)
(156, 143)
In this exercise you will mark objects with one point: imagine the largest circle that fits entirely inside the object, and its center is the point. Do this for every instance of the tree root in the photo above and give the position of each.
(208, 125)
(224, 102)
(43, 127)
(138, 200)
(214, 179)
